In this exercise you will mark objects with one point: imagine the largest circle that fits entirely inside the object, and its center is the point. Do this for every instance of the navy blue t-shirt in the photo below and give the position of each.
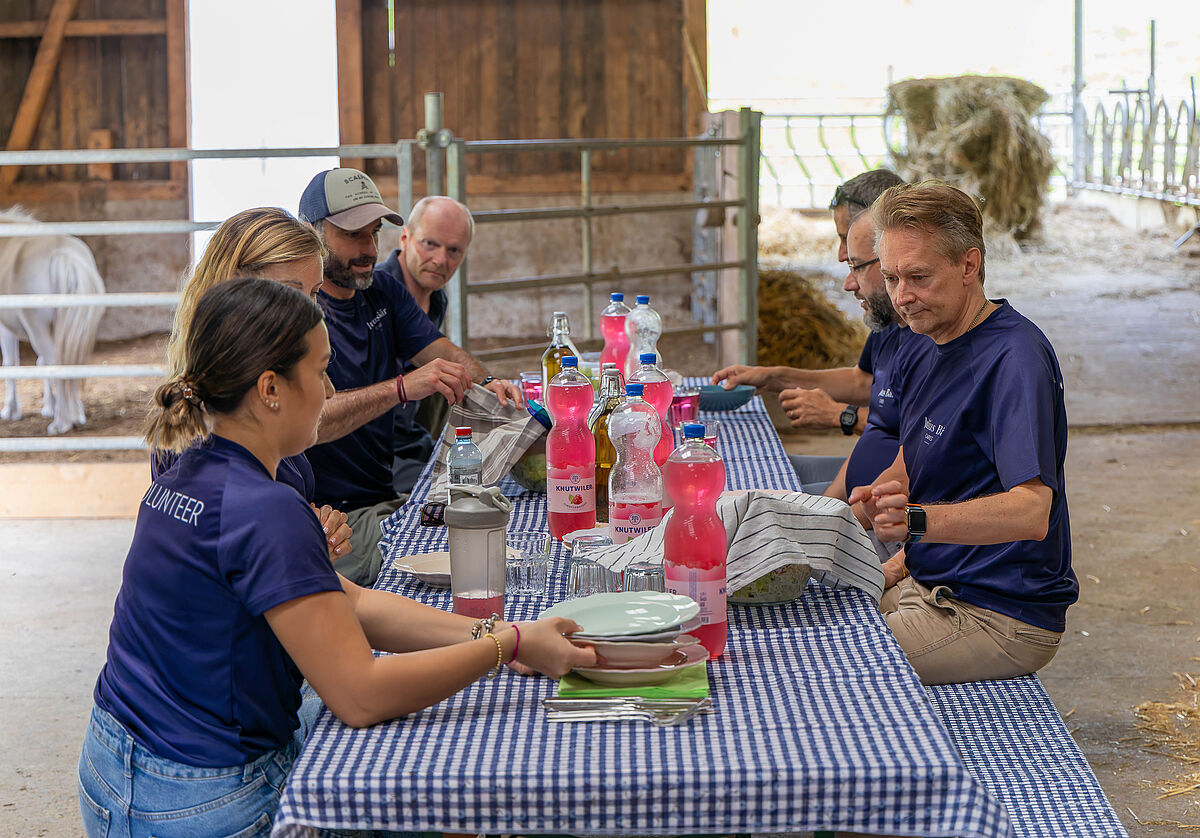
(194, 672)
(294, 471)
(876, 448)
(411, 441)
(978, 416)
(371, 334)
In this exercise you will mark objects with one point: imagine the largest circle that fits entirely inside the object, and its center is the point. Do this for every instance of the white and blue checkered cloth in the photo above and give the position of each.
(820, 724)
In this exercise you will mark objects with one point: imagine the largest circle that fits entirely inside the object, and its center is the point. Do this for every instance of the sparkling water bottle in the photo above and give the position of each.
(635, 485)
(644, 328)
(598, 421)
(612, 327)
(657, 390)
(694, 545)
(465, 460)
(570, 453)
(560, 346)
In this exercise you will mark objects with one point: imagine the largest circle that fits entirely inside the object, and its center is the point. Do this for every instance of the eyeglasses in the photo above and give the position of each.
(861, 266)
(843, 198)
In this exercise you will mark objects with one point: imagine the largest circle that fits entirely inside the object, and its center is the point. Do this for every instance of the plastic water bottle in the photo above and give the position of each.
(657, 390)
(635, 485)
(612, 327)
(570, 452)
(644, 328)
(560, 346)
(464, 459)
(598, 421)
(694, 546)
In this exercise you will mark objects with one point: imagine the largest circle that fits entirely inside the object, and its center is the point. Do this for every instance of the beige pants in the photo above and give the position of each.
(361, 565)
(948, 641)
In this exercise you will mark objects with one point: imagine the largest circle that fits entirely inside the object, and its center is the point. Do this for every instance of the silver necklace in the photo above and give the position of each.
(978, 314)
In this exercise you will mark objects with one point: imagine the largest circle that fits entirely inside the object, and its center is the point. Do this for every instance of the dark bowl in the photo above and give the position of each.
(716, 397)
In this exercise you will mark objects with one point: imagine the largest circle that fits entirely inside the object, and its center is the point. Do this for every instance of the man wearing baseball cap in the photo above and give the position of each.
(374, 326)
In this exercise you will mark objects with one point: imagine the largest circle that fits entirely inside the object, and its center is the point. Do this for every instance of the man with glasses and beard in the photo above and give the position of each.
(836, 398)
(375, 326)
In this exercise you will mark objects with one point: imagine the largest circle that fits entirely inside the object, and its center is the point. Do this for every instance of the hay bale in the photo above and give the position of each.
(977, 133)
(799, 327)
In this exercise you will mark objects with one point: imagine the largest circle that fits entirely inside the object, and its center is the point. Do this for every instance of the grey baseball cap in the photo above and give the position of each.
(346, 198)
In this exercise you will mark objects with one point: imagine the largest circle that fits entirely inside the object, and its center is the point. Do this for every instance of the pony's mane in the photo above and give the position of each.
(16, 214)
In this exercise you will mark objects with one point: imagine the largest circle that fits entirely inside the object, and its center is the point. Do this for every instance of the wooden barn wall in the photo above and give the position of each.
(107, 89)
(524, 69)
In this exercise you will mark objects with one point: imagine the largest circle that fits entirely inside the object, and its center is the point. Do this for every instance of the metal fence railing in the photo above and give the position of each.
(445, 167)
(1128, 148)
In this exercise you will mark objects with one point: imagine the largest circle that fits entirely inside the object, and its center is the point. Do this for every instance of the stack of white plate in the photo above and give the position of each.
(640, 637)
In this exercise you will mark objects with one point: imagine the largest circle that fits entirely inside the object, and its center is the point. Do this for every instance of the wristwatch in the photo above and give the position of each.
(914, 517)
(487, 381)
(849, 419)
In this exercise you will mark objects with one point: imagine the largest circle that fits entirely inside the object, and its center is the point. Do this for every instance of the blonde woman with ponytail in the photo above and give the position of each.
(228, 599)
(270, 243)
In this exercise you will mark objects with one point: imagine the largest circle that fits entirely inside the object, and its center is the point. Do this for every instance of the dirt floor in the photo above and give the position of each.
(1123, 312)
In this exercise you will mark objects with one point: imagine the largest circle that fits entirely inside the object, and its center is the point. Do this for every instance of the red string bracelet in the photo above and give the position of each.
(400, 390)
(516, 645)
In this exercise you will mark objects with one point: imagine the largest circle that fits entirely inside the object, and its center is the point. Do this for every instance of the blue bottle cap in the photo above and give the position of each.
(634, 389)
(616, 297)
(643, 299)
(693, 430)
(647, 357)
(569, 361)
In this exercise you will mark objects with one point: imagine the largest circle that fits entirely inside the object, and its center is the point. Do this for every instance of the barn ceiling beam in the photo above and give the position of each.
(86, 28)
(37, 86)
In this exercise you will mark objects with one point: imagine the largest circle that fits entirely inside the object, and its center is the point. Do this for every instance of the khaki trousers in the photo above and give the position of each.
(361, 565)
(948, 641)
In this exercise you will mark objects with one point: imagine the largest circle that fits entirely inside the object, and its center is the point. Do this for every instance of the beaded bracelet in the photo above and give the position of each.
(492, 673)
(516, 645)
(400, 394)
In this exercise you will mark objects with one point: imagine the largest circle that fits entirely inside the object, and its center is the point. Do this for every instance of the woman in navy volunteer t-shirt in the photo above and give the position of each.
(271, 243)
(229, 600)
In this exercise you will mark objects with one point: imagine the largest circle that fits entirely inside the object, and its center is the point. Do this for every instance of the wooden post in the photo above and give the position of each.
(351, 126)
(100, 138)
(178, 98)
(37, 87)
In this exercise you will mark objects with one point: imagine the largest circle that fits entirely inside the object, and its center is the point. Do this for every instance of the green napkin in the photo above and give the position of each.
(690, 683)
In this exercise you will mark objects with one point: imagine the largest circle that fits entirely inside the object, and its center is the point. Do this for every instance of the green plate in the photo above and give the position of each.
(620, 614)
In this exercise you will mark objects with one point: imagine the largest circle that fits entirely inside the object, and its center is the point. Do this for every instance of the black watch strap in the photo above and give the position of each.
(487, 381)
(914, 517)
(849, 419)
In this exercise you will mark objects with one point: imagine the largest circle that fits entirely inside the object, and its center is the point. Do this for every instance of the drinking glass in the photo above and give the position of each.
(527, 563)
(685, 406)
(712, 429)
(588, 577)
(644, 576)
(581, 545)
(531, 385)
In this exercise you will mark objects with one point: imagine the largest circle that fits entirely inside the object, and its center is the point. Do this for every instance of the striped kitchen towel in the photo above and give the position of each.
(765, 531)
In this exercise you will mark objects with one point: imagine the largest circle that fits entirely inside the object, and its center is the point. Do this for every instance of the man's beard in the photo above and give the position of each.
(339, 273)
(879, 314)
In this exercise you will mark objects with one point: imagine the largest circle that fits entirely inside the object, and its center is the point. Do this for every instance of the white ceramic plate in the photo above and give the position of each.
(433, 568)
(649, 637)
(684, 658)
(621, 614)
(570, 537)
(633, 655)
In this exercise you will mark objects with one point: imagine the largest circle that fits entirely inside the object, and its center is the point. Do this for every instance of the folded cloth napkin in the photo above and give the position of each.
(502, 432)
(765, 531)
(690, 683)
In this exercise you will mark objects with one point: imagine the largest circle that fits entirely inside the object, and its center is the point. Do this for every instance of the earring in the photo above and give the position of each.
(273, 405)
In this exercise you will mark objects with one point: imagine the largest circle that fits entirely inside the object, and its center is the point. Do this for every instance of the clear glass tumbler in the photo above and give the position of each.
(527, 563)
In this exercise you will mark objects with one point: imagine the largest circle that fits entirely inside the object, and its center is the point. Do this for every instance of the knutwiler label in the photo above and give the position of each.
(710, 595)
(571, 489)
(628, 521)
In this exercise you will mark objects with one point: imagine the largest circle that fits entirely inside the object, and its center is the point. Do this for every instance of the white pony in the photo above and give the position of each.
(47, 265)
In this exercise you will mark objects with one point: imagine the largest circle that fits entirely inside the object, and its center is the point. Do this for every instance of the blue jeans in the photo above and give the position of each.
(125, 791)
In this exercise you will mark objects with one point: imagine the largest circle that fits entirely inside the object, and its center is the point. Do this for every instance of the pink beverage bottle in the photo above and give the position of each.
(635, 483)
(612, 328)
(570, 452)
(657, 391)
(694, 546)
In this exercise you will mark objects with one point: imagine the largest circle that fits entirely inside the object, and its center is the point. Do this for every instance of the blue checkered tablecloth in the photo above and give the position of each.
(999, 726)
(820, 724)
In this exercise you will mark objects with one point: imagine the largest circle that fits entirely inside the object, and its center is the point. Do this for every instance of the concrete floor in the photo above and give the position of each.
(1130, 349)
